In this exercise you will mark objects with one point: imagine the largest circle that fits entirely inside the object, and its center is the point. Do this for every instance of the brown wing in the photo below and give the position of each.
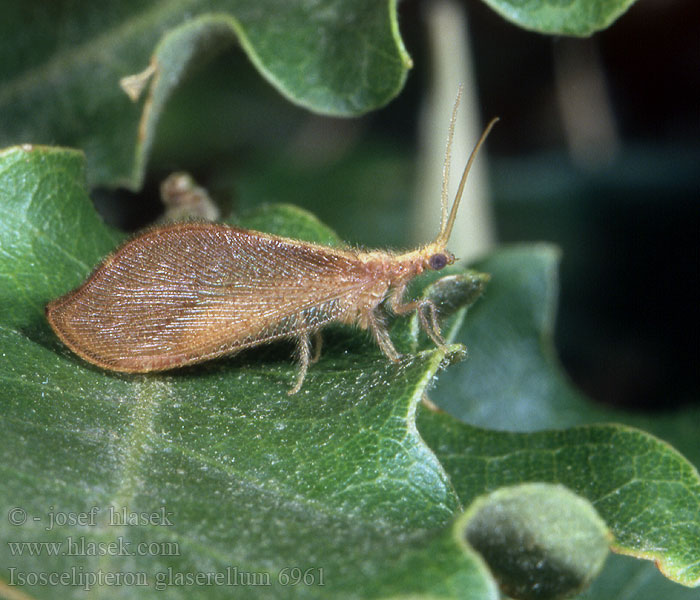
(185, 293)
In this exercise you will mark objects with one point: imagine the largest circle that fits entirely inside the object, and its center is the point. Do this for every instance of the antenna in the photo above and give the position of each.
(448, 159)
(446, 227)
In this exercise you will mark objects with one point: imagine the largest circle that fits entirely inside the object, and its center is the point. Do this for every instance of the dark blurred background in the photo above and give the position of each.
(626, 212)
(598, 151)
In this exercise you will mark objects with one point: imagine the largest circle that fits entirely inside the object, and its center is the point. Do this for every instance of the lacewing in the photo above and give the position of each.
(185, 293)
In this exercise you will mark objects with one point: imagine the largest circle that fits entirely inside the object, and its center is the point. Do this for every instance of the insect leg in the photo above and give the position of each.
(304, 354)
(429, 323)
(318, 343)
(431, 326)
(429, 404)
(381, 335)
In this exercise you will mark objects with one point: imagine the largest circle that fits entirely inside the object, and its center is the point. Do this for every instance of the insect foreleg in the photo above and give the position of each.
(430, 325)
(428, 321)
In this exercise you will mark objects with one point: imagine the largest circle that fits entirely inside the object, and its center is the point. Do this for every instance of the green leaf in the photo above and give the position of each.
(63, 66)
(539, 540)
(513, 379)
(335, 478)
(43, 197)
(646, 492)
(626, 577)
(566, 17)
(287, 220)
(240, 479)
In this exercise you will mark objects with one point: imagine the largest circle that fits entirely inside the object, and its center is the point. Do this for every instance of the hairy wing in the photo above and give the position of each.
(184, 293)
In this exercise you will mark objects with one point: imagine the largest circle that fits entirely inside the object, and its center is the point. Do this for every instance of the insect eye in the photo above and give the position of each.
(437, 262)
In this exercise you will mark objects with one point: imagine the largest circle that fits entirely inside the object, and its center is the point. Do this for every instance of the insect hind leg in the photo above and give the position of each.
(318, 344)
(304, 356)
(381, 335)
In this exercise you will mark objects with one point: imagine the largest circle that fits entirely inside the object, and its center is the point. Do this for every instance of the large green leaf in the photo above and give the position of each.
(566, 17)
(513, 381)
(62, 66)
(336, 478)
(334, 481)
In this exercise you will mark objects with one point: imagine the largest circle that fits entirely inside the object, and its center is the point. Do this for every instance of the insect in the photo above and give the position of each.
(185, 293)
